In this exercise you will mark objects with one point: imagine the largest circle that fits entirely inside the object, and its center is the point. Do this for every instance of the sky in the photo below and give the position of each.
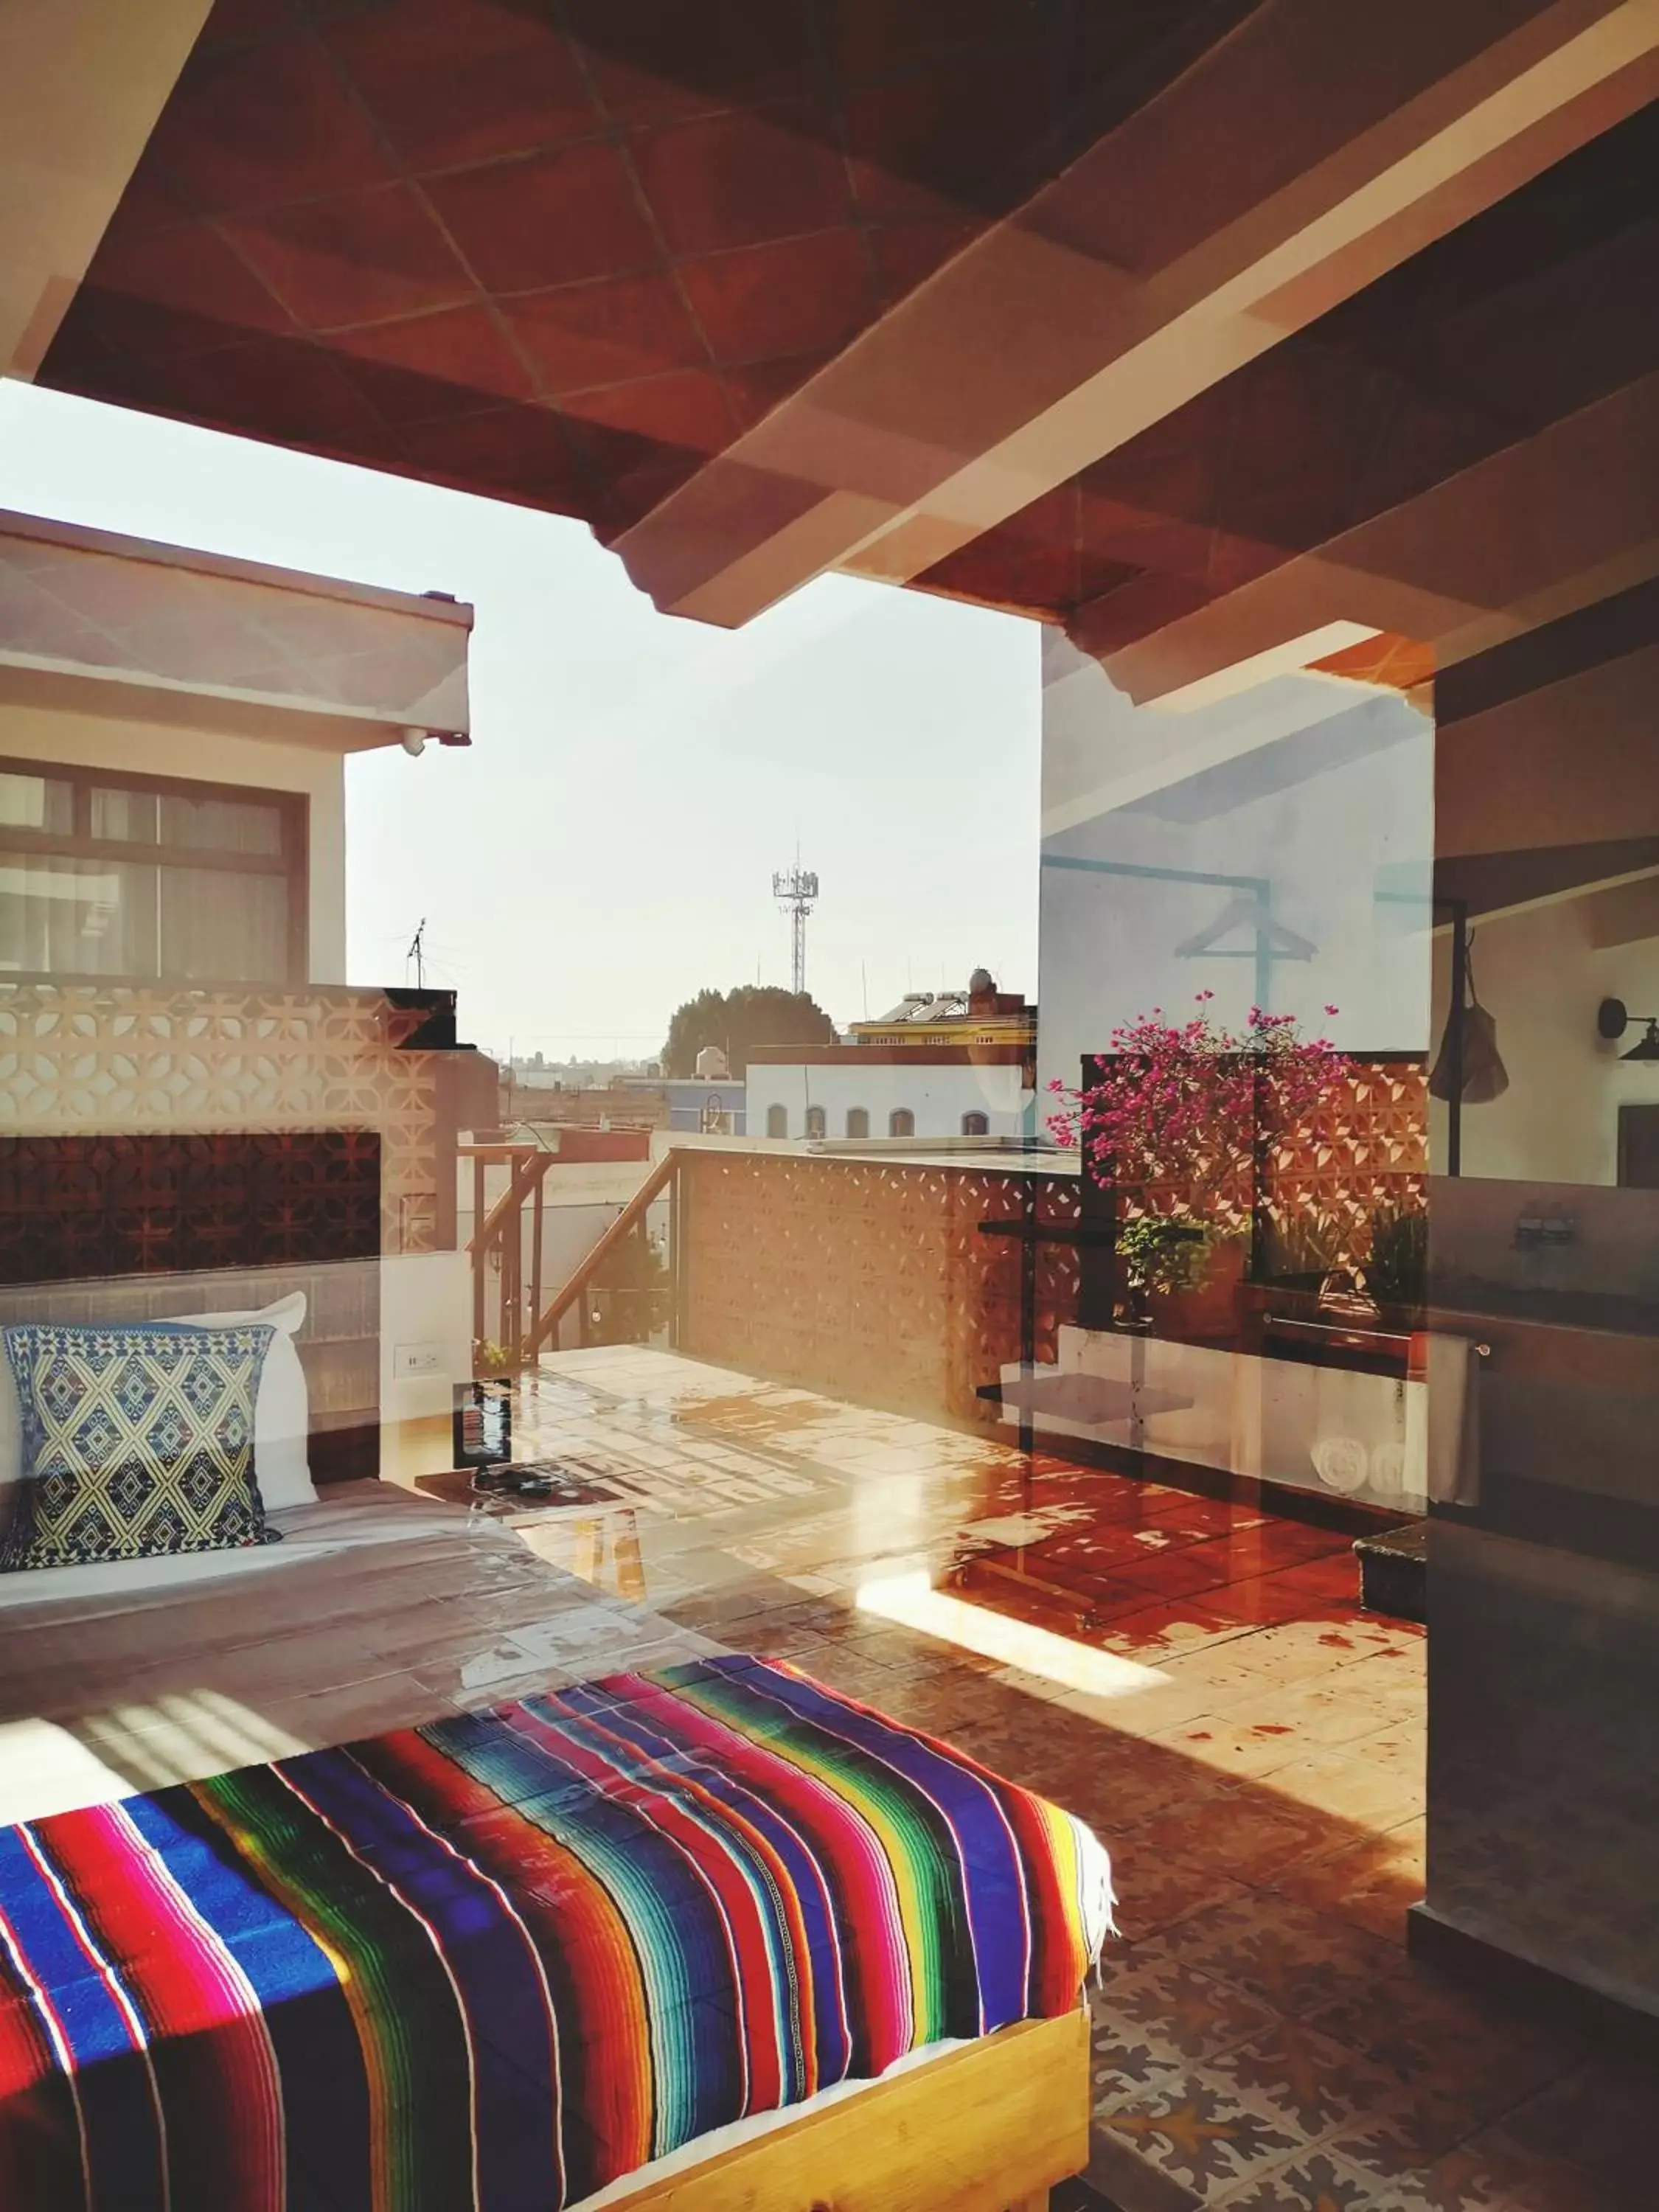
(605, 846)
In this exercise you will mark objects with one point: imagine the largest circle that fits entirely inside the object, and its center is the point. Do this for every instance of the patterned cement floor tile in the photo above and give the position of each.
(1247, 1834)
(1293, 1958)
(1315, 2085)
(1372, 1884)
(1262, 1929)
(1155, 2004)
(1602, 2115)
(1158, 1887)
(1461, 2053)
(1470, 2180)
(1196, 2129)
(1314, 2181)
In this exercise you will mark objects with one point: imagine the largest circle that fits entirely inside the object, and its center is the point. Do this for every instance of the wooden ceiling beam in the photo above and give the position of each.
(1320, 144)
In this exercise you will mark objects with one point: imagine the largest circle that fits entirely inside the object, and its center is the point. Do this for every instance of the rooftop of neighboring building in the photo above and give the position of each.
(978, 1013)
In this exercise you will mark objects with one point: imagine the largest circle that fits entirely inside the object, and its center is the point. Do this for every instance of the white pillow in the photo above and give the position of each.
(12, 1437)
(282, 1409)
(281, 1406)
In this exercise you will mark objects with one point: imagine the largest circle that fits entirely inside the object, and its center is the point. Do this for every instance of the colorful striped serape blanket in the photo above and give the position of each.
(492, 1964)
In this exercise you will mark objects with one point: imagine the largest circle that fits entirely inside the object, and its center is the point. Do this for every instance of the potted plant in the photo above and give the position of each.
(1161, 1256)
(1397, 1273)
(1177, 1122)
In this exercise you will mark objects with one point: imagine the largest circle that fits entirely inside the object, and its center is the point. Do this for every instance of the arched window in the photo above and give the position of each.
(858, 1120)
(901, 1123)
(777, 1120)
(975, 1125)
(818, 1123)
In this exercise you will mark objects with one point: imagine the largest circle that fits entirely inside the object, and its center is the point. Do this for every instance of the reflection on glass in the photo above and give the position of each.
(1545, 1246)
(124, 816)
(76, 917)
(36, 802)
(220, 926)
(1236, 937)
(221, 825)
(67, 917)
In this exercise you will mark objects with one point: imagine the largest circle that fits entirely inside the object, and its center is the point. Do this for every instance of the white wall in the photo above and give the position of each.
(1541, 976)
(939, 1096)
(147, 748)
(426, 1299)
(1323, 789)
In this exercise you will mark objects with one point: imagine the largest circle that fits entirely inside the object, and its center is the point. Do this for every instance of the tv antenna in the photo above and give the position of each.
(417, 952)
(796, 890)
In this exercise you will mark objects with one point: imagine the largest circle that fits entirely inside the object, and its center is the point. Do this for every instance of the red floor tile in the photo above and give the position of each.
(1263, 1598)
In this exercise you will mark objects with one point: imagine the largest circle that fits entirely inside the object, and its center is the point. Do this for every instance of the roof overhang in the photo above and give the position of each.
(110, 624)
(945, 301)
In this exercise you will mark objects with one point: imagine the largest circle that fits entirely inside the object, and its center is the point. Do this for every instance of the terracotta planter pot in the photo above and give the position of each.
(1210, 1308)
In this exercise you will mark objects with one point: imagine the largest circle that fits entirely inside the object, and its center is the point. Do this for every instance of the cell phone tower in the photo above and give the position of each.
(796, 890)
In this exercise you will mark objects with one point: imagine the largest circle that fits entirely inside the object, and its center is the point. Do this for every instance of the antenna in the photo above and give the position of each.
(796, 890)
(417, 952)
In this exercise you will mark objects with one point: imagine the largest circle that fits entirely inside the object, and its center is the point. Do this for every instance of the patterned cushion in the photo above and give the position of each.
(136, 1442)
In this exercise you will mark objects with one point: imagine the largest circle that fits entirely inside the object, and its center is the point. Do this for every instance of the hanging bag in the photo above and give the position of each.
(1485, 1076)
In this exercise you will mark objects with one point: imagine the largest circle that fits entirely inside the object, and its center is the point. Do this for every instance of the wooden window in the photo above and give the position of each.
(975, 1125)
(150, 878)
(901, 1123)
(777, 1120)
(817, 1121)
(858, 1120)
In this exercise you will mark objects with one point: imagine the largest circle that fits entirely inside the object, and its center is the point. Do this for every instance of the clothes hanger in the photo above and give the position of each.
(1246, 910)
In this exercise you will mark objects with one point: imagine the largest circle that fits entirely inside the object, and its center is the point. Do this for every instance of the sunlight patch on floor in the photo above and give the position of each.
(911, 1601)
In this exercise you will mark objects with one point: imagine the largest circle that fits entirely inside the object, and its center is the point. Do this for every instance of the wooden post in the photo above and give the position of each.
(536, 1253)
(479, 1258)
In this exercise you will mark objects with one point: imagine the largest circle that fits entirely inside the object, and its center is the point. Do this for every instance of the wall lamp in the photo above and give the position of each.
(1612, 1018)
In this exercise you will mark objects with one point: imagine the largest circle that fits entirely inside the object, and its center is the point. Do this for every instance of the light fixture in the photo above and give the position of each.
(1614, 1018)
(413, 742)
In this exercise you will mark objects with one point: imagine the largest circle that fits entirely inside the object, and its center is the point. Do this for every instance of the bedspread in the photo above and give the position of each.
(499, 1961)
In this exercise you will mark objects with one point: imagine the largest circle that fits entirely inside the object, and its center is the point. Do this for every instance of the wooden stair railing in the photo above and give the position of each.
(526, 1324)
(547, 1322)
(500, 1233)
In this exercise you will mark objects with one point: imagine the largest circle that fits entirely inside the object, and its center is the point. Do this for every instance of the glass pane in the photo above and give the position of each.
(127, 815)
(36, 802)
(222, 825)
(76, 917)
(220, 927)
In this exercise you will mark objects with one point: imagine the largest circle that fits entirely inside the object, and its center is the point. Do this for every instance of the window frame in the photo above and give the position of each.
(902, 1114)
(980, 1119)
(292, 861)
(818, 1123)
(861, 1115)
(776, 1115)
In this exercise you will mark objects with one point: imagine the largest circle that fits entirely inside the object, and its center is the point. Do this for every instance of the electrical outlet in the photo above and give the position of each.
(409, 1361)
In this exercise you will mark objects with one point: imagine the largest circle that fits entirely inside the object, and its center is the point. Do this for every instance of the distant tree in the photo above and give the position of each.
(739, 1022)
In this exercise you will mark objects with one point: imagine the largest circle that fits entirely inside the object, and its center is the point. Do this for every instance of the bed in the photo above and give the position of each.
(514, 1958)
(151, 1719)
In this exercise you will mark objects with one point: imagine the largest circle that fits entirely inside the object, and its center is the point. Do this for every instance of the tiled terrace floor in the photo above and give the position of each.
(1196, 1681)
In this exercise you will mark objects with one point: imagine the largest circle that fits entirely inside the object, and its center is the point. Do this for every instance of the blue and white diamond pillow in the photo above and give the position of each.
(137, 1441)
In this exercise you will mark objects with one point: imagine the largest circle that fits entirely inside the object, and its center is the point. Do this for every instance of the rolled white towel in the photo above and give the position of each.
(1341, 1463)
(1389, 1468)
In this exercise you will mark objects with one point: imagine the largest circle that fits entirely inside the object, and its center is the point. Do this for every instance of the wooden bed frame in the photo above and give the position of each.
(990, 2127)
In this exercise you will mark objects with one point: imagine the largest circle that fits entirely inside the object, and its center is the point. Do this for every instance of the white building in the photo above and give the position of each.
(837, 1091)
(174, 727)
